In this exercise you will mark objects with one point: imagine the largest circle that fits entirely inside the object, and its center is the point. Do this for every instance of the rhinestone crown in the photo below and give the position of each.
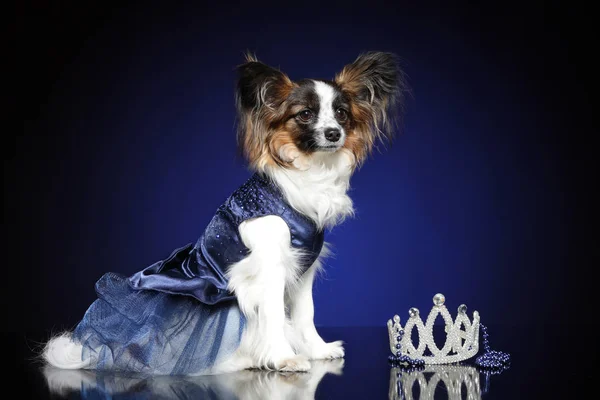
(460, 344)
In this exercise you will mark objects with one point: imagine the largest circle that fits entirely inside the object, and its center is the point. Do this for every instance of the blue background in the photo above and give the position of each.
(128, 147)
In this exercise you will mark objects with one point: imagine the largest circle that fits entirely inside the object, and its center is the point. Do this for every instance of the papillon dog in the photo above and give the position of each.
(307, 137)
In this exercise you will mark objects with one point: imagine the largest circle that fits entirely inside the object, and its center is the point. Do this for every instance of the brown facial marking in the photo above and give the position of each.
(268, 103)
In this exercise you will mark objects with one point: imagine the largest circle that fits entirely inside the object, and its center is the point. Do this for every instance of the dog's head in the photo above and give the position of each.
(281, 120)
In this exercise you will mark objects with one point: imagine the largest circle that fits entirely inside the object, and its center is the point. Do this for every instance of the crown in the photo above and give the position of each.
(460, 344)
(460, 382)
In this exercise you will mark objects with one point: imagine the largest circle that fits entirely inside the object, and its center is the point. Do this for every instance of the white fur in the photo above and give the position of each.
(259, 282)
(319, 188)
(62, 352)
(326, 118)
(301, 333)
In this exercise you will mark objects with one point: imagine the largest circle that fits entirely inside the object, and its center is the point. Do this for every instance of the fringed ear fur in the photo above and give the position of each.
(261, 91)
(376, 84)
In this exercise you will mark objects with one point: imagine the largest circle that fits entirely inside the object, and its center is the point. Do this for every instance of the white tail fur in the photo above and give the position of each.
(62, 352)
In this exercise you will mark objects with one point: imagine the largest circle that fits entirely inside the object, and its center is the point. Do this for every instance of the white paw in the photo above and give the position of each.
(296, 363)
(325, 351)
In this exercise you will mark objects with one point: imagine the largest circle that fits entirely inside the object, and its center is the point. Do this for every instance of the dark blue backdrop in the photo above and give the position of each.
(128, 147)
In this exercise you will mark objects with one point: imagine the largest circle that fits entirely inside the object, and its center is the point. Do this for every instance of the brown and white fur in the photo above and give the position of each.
(309, 137)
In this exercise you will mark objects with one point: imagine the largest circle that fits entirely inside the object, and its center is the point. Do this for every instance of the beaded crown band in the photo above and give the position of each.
(460, 343)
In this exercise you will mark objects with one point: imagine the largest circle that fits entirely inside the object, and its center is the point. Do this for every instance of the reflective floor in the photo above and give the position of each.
(535, 373)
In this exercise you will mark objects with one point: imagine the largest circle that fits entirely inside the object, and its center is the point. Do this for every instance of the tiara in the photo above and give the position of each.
(460, 344)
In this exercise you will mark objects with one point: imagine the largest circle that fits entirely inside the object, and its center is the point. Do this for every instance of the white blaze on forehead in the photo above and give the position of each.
(326, 117)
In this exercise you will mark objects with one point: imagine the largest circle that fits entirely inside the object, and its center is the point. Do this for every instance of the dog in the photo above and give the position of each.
(303, 140)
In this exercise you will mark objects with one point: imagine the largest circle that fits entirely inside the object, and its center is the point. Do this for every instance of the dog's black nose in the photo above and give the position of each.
(332, 134)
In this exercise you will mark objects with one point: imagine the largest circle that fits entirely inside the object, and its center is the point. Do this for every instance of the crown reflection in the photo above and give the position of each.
(462, 340)
(461, 382)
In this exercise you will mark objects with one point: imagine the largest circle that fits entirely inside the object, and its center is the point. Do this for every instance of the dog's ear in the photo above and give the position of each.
(260, 94)
(376, 84)
(259, 85)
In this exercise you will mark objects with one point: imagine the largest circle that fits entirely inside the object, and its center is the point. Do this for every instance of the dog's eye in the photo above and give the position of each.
(305, 115)
(341, 114)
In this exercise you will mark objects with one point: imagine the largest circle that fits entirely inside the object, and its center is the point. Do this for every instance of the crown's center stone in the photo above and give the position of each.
(439, 299)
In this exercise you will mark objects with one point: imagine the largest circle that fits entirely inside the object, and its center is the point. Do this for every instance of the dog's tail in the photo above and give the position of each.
(62, 352)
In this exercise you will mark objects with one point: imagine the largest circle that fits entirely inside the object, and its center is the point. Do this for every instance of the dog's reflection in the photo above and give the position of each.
(458, 382)
(248, 384)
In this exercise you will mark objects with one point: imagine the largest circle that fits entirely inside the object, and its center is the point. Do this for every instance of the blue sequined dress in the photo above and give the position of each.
(176, 316)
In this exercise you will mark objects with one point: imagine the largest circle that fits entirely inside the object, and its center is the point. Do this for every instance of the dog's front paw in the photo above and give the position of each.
(297, 363)
(324, 351)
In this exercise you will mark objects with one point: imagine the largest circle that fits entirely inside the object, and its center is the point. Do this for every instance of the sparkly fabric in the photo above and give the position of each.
(199, 270)
(150, 332)
(177, 316)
